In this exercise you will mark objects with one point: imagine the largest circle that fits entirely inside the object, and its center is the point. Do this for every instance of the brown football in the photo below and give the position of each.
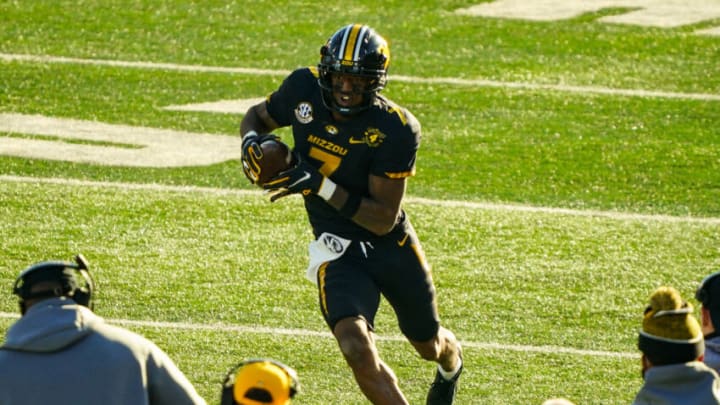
(276, 158)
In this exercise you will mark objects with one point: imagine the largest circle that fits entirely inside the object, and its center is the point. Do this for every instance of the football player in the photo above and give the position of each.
(354, 151)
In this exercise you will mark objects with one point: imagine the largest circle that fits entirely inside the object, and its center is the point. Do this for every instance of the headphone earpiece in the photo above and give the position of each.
(83, 294)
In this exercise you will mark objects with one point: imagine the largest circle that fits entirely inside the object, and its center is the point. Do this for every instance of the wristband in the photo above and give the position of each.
(327, 189)
(351, 206)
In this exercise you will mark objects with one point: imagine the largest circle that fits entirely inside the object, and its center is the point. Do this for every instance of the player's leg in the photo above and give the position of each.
(349, 300)
(407, 284)
(445, 350)
(376, 380)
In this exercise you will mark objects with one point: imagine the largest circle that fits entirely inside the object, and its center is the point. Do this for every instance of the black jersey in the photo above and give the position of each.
(382, 140)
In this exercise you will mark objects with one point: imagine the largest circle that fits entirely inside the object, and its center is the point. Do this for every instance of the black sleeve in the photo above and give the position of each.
(396, 157)
(281, 102)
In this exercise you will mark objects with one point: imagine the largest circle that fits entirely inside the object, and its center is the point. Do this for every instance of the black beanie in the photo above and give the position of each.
(708, 293)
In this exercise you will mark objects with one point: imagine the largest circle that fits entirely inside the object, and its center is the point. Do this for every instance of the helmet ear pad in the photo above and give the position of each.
(72, 280)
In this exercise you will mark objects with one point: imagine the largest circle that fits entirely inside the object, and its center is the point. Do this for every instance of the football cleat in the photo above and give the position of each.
(442, 391)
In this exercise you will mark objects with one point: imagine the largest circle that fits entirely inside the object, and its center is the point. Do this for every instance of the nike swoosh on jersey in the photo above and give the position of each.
(356, 141)
(401, 243)
(306, 176)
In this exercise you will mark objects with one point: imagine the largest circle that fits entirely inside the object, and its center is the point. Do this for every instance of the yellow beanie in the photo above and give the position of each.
(670, 332)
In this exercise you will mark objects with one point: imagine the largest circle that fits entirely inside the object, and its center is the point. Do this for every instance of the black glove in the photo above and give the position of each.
(302, 178)
(251, 154)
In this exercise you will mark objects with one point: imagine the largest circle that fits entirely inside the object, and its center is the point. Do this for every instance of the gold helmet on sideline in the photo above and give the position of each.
(258, 382)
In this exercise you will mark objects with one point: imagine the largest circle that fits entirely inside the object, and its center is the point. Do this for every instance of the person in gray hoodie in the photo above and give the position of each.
(708, 293)
(671, 343)
(60, 352)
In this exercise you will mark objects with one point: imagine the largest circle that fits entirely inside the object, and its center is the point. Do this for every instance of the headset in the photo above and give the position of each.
(259, 381)
(703, 294)
(74, 282)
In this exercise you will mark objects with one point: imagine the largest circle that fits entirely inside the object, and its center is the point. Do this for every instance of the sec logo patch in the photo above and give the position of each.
(303, 112)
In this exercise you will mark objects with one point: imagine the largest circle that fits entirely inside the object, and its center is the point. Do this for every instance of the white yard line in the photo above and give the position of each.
(304, 332)
(310, 333)
(465, 204)
(413, 200)
(617, 215)
(10, 57)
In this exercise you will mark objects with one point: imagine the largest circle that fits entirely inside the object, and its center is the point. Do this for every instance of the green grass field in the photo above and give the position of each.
(574, 169)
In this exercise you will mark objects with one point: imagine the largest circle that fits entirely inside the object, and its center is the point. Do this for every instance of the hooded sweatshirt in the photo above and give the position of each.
(60, 352)
(680, 384)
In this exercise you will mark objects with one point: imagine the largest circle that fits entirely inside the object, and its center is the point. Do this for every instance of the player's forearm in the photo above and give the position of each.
(370, 214)
(375, 217)
(253, 120)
